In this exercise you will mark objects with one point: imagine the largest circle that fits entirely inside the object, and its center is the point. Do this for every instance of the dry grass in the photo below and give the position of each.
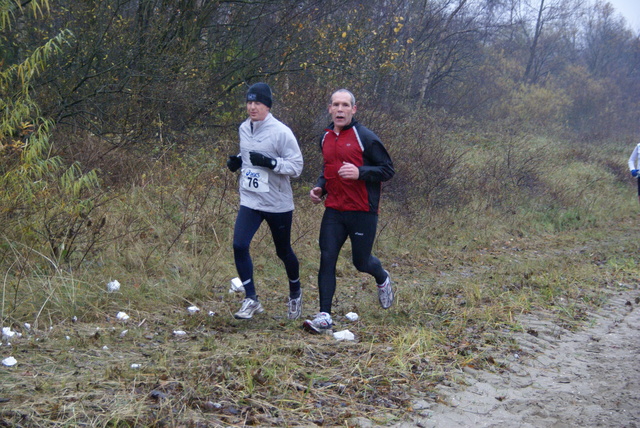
(453, 310)
(462, 278)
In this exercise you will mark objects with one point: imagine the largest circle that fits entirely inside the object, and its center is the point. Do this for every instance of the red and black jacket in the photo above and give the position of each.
(358, 145)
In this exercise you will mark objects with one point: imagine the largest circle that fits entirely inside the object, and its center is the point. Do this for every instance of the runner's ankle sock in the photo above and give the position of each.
(249, 288)
(294, 289)
(386, 276)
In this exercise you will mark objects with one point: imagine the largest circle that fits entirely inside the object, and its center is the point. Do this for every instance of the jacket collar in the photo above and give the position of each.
(349, 126)
(257, 124)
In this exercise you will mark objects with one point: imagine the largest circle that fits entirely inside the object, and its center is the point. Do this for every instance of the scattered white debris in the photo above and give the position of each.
(27, 326)
(113, 286)
(122, 316)
(67, 337)
(74, 319)
(193, 309)
(136, 366)
(352, 316)
(211, 313)
(7, 333)
(105, 348)
(179, 333)
(9, 362)
(123, 333)
(343, 335)
(236, 286)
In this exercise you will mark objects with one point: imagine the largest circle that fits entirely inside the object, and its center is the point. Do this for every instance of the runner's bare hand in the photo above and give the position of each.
(349, 171)
(316, 195)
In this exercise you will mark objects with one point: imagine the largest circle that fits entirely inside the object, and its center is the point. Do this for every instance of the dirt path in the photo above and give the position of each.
(589, 378)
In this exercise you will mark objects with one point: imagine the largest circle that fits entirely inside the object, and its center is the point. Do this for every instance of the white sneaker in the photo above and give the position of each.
(294, 307)
(320, 324)
(248, 308)
(385, 293)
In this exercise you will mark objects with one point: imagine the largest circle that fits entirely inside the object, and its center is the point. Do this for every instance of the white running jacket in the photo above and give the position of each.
(261, 188)
(633, 159)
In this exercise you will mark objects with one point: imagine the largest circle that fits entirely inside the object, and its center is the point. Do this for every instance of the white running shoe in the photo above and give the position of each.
(248, 308)
(385, 293)
(294, 307)
(320, 324)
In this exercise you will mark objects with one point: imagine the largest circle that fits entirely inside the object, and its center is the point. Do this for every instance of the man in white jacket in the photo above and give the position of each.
(269, 156)
(633, 165)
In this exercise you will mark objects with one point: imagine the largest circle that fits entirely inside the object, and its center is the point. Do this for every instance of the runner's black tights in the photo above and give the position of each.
(360, 228)
(247, 224)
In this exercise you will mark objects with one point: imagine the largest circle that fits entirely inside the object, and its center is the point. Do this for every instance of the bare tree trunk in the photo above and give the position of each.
(436, 53)
(534, 45)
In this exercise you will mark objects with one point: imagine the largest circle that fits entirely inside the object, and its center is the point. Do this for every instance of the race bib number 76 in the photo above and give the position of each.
(255, 180)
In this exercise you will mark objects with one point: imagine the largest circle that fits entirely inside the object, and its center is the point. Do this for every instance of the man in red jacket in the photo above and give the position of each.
(355, 165)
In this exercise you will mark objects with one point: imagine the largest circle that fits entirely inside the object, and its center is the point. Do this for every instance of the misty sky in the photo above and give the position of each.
(630, 9)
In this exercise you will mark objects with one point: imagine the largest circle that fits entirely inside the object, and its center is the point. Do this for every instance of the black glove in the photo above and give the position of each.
(234, 163)
(258, 159)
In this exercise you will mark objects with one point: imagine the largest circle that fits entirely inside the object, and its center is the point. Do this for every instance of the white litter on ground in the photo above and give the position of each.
(7, 333)
(352, 316)
(343, 335)
(9, 362)
(122, 316)
(193, 309)
(113, 286)
(236, 286)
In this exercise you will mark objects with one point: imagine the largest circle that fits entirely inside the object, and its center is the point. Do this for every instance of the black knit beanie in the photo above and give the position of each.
(260, 92)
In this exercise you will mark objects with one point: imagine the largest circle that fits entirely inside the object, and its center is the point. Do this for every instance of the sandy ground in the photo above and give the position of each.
(559, 378)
